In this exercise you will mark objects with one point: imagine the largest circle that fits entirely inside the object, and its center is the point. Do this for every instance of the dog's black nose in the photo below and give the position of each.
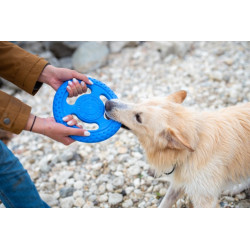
(108, 105)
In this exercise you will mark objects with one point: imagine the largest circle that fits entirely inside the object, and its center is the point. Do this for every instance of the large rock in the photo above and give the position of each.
(66, 62)
(90, 56)
(34, 47)
(60, 49)
(50, 57)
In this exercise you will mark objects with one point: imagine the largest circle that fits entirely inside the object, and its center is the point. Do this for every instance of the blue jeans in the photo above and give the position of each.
(16, 187)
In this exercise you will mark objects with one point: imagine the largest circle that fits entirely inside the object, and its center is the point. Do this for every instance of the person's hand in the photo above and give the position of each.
(71, 121)
(54, 130)
(54, 77)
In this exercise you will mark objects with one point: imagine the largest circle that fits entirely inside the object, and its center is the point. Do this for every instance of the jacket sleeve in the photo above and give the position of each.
(21, 67)
(14, 114)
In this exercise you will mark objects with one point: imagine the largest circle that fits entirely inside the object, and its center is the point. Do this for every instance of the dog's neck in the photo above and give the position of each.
(169, 173)
(163, 159)
(166, 161)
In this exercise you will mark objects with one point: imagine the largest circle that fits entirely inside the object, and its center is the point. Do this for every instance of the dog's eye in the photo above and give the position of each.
(138, 118)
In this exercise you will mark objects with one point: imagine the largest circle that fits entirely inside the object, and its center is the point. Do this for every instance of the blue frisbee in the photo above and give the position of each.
(89, 108)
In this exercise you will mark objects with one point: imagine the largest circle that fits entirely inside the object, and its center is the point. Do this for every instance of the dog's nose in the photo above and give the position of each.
(108, 105)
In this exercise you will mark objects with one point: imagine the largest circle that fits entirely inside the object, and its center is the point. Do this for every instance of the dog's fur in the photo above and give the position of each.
(211, 150)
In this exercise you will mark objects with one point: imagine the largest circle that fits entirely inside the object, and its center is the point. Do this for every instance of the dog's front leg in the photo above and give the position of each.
(171, 197)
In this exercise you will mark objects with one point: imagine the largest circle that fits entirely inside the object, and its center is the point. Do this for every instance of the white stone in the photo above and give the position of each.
(50, 199)
(180, 203)
(67, 155)
(163, 191)
(79, 202)
(70, 182)
(115, 198)
(134, 170)
(78, 184)
(228, 198)
(137, 182)
(118, 182)
(128, 190)
(97, 166)
(92, 198)
(117, 46)
(67, 202)
(90, 56)
(142, 204)
(241, 196)
(102, 188)
(63, 176)
(103, 198)
(78, 193)
(110, 187)
(127, 203)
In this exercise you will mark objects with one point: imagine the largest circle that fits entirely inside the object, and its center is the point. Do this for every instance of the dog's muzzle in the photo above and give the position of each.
(109, 105)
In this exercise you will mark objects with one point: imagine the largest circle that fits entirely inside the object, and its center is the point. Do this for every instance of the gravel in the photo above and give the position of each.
(115, 173)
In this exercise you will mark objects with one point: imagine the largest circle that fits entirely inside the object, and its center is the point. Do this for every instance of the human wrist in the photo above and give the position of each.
(46, 74)
(29, 122)
(38, 125)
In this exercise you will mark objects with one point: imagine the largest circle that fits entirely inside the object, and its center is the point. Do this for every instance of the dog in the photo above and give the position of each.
(203, 154)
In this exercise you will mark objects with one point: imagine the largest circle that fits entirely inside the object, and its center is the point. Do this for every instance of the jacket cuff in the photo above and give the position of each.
(15, 115)
(21, 119)
(30, 83)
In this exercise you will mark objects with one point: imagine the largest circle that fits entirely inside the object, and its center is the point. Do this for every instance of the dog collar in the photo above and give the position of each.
(174, 166)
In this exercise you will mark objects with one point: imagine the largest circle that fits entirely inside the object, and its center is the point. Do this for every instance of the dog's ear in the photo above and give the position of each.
(175, 140)
(178, 96)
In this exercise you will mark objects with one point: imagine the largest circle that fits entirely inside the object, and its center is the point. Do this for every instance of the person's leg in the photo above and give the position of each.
(16, 187)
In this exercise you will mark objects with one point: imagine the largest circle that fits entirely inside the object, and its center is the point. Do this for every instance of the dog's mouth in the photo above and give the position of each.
(125, 127)
(108, 118)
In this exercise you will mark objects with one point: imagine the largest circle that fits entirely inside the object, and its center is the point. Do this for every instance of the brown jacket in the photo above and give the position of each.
(23, 69)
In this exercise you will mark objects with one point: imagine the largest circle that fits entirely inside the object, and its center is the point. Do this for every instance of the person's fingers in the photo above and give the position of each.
(72, 122)
(82, 77)
(78, 86)
(73, 87)
(77, 131)
(68, 118)
(84, 87)
(70, 91)
(79, 126)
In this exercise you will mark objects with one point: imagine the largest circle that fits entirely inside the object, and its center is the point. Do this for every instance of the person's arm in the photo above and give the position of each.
(54, 130)
(29, 72)
(21, 67)
(54, 77)
(14, 114)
